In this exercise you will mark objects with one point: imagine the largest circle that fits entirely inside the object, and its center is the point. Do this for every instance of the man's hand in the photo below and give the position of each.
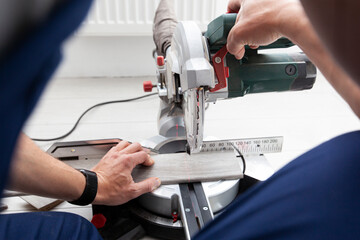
(34, 171)
(260, 22)
(115, 183)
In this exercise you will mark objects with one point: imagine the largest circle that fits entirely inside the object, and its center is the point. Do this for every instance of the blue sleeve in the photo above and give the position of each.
(25, 71)
(316, 196)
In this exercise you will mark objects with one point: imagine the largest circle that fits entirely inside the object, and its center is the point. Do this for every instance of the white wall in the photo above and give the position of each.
(110, 45)
(108, 57)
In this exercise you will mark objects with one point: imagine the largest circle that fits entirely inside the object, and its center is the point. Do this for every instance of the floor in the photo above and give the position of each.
(305, 119)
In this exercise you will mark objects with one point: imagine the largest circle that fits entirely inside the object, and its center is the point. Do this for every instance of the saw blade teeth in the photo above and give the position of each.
(193, 116)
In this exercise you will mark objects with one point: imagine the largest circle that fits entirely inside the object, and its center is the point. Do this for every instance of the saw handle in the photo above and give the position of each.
(256, 73)
(218, 31)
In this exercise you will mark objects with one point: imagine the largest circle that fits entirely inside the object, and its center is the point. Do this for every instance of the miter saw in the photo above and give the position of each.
(194, 69)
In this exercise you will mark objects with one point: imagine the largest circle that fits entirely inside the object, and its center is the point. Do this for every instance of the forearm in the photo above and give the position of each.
(301, 32)
(34, 171)
(337, 22)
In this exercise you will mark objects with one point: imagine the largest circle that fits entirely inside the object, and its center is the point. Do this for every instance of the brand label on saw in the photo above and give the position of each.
(245, 146)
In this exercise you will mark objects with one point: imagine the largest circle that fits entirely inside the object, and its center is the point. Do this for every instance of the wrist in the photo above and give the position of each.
(90, 190)
(80, 181)
(100, 197)
(292, 20)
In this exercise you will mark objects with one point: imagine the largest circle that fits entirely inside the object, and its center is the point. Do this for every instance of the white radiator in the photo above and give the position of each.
(135, 17)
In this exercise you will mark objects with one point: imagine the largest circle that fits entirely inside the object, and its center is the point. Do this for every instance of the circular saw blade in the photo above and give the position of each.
(194, 108)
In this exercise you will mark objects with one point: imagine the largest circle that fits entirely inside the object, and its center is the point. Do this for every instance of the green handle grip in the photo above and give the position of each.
(218, 31)
(269, 73)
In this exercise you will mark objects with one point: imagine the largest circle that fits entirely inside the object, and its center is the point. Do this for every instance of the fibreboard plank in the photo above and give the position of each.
(184, 168)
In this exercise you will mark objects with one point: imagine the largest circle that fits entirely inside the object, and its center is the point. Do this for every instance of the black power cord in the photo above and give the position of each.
(89, 109)
(240, 155)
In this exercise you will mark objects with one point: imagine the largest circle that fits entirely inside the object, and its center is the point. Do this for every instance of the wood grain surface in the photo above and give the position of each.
(183, 168)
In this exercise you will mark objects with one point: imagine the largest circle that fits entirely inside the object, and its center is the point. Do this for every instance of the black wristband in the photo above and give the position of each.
(90, 190)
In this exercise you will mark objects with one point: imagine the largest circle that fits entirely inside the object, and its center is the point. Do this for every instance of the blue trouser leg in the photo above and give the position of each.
(46, 225)
(316, 196)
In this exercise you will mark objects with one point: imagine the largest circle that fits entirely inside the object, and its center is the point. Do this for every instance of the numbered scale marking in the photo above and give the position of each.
(245, 146)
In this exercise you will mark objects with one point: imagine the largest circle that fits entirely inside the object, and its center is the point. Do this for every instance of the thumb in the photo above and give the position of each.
(148, 185)
(235, 45)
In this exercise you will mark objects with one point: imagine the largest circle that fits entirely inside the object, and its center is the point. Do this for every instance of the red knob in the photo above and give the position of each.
(98, 220)
(160, 61)
(148, 86)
